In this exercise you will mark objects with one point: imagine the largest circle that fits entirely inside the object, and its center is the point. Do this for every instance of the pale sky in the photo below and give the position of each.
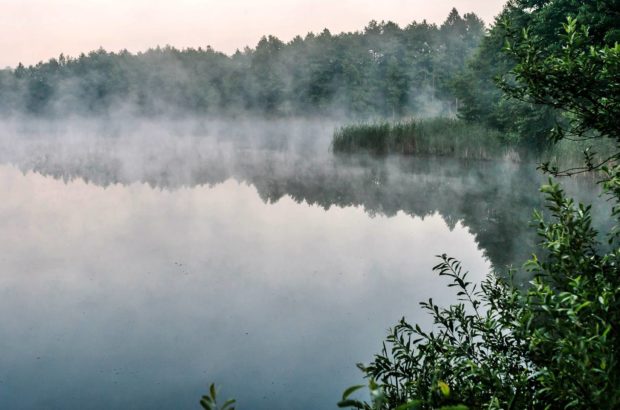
(35, 30)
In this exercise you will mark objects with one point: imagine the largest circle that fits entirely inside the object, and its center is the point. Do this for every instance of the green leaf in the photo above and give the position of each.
(444, 388)
(206, 404)
(351, 390)
(350, 403)
(212, 390)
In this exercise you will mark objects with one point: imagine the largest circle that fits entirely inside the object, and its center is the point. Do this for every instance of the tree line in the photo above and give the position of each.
(383, 70)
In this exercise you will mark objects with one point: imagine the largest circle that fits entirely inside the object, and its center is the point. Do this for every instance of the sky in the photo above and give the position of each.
(35, 30)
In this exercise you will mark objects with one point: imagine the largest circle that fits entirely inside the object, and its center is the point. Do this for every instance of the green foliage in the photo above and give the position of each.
(378, 399)
(468, 358)
(571, 313)
(579, 78)
(551, 345)
(384, 70)
(482, 102)
(438, 136)
(209, 401)
(530, 120)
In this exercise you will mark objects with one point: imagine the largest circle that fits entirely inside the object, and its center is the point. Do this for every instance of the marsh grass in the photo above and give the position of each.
(458, 139)
(568, 154)
(434, 137)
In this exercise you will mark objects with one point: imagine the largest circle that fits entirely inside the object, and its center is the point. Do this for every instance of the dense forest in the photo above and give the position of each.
(383, 70)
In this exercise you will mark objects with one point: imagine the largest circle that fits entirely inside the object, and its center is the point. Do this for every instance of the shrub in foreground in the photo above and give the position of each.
(553, 345)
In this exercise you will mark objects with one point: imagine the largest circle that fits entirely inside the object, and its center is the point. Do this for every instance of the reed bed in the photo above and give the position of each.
(433, 137)
(458, 139)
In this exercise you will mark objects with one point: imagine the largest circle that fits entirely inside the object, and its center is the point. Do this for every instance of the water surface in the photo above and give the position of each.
(138, 268)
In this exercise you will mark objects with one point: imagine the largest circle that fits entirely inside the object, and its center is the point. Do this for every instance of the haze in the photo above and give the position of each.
(35, 30)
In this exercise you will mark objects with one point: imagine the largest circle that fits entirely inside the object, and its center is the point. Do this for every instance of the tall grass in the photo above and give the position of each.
(457, 139)
(568, 154)
(436, 137)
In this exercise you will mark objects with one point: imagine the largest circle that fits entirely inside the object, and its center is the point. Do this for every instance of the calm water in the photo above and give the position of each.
(138, 267)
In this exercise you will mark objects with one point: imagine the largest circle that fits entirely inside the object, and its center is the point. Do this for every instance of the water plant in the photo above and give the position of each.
(439, 136)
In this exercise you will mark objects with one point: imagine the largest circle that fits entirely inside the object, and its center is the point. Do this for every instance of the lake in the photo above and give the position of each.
(142, 261)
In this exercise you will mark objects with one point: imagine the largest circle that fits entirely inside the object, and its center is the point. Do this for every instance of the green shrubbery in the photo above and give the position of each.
(554, 345)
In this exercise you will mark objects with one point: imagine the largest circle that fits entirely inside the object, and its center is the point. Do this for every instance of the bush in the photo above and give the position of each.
(554, 345)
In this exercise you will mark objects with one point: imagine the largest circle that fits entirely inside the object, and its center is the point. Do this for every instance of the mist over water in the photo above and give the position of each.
(143, 260)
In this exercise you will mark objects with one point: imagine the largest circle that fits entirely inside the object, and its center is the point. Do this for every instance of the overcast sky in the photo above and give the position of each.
(34, 30)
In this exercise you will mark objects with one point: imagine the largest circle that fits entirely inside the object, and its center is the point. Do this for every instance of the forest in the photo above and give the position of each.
(383, 70)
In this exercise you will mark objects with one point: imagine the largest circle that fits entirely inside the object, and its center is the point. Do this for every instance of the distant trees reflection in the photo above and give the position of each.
(494, 199)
